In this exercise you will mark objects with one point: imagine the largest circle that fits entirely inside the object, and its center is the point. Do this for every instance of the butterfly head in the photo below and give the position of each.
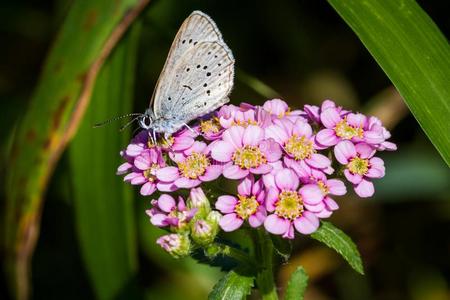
(146, 119)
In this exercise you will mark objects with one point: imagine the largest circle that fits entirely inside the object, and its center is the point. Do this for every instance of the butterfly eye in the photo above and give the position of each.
(147, 121)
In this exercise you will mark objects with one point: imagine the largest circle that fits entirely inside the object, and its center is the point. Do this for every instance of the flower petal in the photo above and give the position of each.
(365, 189)
(353, 178)
(336, 187)
(343, 151)
(302, 128)
(286, 179)
(271, 149)
(233, 136)
(225, 204)
(166, 203)
(330, 203)
(123, 168)
(277, 133)
(276, 225)
(234, 172)
(307, 223)
(159, 220)
(212, 173)
(258, 218)
(245, 186)
(330, 117)
(166, 186)
(319, 161)
(327, 137)
(167, 174)
(147, 189)
(187, 183)
(222, 151)
(271, 199)
(182, 143)
(377, 169)
(262, 169)
(253, 135)
(142, 162)
(230, 222)
(364, 150)
(138, 180)
(357, 120)
(311, 194)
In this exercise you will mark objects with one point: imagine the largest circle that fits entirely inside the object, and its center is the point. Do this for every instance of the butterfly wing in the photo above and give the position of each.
(201, 82)
(197, 28)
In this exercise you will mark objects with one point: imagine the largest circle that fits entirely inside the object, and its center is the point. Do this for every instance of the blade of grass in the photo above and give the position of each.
(103, 205)
(413, 53)
(89, 33)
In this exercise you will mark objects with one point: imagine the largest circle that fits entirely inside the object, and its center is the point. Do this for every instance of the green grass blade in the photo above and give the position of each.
(88, 34)
(413, 53)
(103, 203)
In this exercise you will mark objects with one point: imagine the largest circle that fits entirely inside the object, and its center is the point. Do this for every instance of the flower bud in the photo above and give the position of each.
(204, 232)
(199, 200)
(177, 245)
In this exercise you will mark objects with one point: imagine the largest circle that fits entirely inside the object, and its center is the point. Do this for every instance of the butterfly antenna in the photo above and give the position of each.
(115, 119)
(129, 123)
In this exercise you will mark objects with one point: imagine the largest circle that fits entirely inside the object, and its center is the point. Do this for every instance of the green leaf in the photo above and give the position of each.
(335, 238)
(297, 285)
(235, 285)
(88, 34)
(103, 203)
(413, 53)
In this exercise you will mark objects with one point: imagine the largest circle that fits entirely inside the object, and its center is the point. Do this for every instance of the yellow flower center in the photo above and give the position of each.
(244, 124)
(358, 166)
(246, 207)
(248, 157)
(299, 147)
(150, 173)
(165, 143)
(210, 126)
(289, 205)
(194, 165)
(346, 131)
(325, 190)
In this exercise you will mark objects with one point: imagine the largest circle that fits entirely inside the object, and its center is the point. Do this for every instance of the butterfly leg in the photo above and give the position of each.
(188, 127)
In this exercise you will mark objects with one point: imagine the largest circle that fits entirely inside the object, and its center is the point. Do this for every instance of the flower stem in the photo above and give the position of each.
(264, 255)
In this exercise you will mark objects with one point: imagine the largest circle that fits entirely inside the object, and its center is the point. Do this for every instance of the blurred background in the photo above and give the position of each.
(300, 51)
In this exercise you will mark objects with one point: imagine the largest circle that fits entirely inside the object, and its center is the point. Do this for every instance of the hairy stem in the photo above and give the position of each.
(264, 255)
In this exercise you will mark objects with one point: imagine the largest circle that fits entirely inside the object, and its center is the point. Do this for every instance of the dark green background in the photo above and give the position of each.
(306, 53)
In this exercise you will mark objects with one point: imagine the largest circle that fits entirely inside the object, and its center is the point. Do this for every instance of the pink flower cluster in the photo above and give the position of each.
(284, 162)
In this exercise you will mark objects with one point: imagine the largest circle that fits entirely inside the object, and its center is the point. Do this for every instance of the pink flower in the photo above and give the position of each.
(143, 171)
(166, 212)
(248, 205)
(313, 112)
(179, 141)
(231, 115)
(194, 166)
(329, 187)
(360, 165)
(277, 108)
(210, 128)
(298, 143)
(351, 127)
(245, 151)
(375, 127)
(290, 206)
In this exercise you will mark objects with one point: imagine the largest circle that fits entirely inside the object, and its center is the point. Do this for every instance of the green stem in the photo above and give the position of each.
(264, 255)
(238, 255)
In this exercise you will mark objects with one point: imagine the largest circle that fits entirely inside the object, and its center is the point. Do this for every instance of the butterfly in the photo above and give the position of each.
(196, 79)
